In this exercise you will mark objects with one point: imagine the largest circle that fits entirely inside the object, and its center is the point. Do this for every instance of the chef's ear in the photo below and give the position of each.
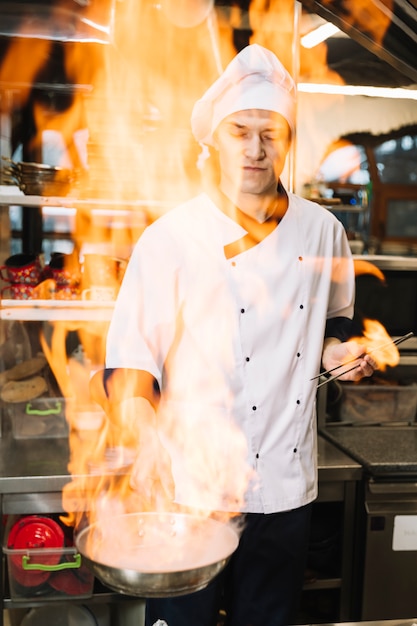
(203, 156)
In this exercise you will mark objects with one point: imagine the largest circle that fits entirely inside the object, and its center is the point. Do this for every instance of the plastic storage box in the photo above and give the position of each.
(42, 561)
(39, 419)
(47, 574)
(378, 403)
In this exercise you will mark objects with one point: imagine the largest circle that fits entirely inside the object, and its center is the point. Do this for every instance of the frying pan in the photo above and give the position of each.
(156, 554)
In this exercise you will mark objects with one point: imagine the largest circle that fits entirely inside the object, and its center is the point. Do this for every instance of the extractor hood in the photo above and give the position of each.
(387, 28)
(58, 20)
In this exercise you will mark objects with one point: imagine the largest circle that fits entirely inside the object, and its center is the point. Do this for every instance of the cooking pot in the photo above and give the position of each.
(157, 554)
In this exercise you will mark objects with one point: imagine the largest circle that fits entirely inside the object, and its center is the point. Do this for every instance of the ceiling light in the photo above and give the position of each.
(316, 36)
(357, 90)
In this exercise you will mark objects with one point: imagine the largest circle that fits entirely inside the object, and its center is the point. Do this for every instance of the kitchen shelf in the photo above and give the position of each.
(334, 204)
(97, 597)
(20, 199)
(346, 208)
(17, 199)
(56, 310)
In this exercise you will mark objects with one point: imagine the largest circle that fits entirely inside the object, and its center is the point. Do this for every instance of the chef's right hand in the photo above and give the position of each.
(335, 353)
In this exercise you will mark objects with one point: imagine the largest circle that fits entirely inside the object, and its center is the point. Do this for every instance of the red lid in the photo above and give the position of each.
(35, 533)
(69, 583)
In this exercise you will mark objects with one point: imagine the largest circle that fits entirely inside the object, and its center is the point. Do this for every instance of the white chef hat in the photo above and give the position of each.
(254, 79)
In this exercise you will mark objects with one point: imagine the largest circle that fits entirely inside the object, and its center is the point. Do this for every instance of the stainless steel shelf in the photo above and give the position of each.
(104, 597)
(17, 199)
(56, 310)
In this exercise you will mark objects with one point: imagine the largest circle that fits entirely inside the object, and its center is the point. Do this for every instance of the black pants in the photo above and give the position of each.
(262, 583)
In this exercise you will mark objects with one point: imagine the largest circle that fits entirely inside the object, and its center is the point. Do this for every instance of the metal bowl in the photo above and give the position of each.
(157, 554)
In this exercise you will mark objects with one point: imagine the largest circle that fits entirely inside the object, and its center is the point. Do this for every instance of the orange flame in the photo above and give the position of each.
(135, 97)
(366, 267)
(377, 341)
(366, 16)
(119, 471)
(140, 148)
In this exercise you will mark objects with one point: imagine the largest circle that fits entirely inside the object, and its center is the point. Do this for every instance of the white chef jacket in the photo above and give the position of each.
(237, 340)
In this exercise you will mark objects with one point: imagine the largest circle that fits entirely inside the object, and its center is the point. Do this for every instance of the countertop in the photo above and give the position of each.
(40, 465)
(382, 450)
(334, 464)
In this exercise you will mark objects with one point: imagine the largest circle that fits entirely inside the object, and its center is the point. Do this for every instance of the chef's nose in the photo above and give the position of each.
(254, 147)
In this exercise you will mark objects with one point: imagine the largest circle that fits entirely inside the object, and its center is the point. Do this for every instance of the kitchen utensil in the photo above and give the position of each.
(99, 293)
(42, 179)
(63, 269)
(22, 268)
(19, 291)
(101, 269)
(361, 356)
(157, 554)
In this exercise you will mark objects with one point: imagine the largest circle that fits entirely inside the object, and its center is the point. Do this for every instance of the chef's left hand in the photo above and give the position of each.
(151, 474)
(335, 353)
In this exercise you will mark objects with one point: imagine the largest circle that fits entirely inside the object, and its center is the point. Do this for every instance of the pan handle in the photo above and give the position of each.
(76, 564)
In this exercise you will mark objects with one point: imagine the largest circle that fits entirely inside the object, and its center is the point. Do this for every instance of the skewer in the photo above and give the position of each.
(361, 356)
(328, 380)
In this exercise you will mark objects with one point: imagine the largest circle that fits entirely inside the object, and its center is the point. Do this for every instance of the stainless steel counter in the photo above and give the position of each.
(382, 450)
(40, 465)
(33, 473)
(334, 464)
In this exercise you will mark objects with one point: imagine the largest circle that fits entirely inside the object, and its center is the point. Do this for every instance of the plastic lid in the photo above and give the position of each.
(34, 533)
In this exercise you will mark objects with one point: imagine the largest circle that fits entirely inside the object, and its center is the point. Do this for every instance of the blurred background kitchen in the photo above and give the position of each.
(95, 143)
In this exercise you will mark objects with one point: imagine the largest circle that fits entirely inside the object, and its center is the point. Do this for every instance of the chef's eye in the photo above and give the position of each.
(239, 132)
(273, 136)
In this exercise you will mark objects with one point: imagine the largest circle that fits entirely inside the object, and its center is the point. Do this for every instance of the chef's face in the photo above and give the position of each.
(252, 147)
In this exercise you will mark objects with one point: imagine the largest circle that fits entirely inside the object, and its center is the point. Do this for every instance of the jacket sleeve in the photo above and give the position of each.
(339, 327)
(142, 327)
(111, 386)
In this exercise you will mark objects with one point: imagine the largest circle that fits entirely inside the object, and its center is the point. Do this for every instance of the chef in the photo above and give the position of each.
(230, 305)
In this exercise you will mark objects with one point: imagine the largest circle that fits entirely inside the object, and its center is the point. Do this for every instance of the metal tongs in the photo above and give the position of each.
(358, 358)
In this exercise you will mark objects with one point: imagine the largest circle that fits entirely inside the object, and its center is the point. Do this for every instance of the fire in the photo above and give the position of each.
(119, 470)
(376, 340)
(367, 16)
(135, 97)
(366, 267)
(21, 64)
